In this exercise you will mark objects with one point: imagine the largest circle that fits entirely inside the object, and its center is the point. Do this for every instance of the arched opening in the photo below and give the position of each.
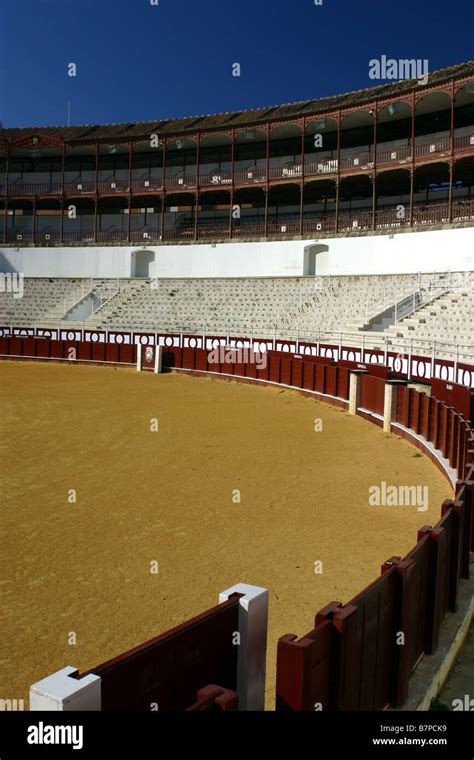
(319, 210)
(310, 254)
(141, 262)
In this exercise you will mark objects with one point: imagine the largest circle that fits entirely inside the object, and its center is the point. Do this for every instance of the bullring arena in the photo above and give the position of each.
(238, 448)
(167, 496)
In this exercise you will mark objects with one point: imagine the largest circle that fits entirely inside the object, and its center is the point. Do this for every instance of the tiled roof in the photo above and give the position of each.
(252, 117)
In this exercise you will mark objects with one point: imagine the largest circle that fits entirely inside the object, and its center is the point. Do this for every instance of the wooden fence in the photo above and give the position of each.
(187, 668)
(359, 656)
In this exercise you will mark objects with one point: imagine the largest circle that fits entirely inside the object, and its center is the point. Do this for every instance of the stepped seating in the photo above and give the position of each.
(286, 307)
(243, 306)
(42, 301)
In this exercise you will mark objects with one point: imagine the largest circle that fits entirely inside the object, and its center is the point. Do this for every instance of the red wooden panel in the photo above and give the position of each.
(275, 364)
(263, 372)
(443, 429)
(285, 370)
(297, 373)
(4, 350)
(189, 358)
(43, 348)
(98, 352)
(403, 400)
(29, 347)
(60, 347)
(304, 670)
(320, 378)
(201, 359)
(251, 368)
(414, 418)
(128, 354)
(16, 346)
(84, 350)
(331, 380)
(434, 422)
(170, 669)
(112, 352)
(239, 369)
(308, 375)
(343, 377)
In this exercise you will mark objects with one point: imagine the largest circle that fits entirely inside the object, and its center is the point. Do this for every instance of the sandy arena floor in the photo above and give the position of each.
(167, 496)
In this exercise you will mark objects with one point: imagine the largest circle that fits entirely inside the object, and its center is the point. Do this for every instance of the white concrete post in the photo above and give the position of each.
(389, 406)
(158, 359)
(61, 692)
(354, 392)
(251, 658)
(139, 357)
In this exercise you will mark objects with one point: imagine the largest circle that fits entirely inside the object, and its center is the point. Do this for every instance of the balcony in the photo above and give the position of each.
(113, 186)
(284, 228)
(81, 236)
(147, 184)
(355, 163)
(79, 187)
(250, 176)
(181, 181)
(355, 220)
(394, 156)
(435, 214)
(111, 236)
(323, 224)
(215, 178)
(286, 172)
(146, 234)
(324, 166)
(437, 148)
(48, 236)
(245, 230)
(22, 189)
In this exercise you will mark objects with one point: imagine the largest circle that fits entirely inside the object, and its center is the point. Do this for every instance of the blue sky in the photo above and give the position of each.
(136, 61)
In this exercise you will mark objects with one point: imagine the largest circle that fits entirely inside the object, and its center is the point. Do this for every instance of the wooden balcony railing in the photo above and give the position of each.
(390, 218)
(325, 166)
(20, 236)
(113, 186)
(356, 220)
(186, 180)
(284, 228)
(79, 187)
(250, 176)
(323, 224)
(147, 184)
(48, 236)
(31, 188)
(385, 219)
(394, 156)
(435, 148)
(216, 178)
(465, 142)
(150, 233)
(357, 162)
(286, 172)
(84, 236)
(248, 230)
(463, 211)
(434, 214)
(111, 236)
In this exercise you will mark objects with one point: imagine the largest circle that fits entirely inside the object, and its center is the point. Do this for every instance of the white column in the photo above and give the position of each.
(389, 406)
(139, 357)
(158, 359)
(61, 692)
(251, 661)
(354, 392)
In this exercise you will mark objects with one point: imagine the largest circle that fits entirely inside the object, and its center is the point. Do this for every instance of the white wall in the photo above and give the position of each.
(439, 250)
